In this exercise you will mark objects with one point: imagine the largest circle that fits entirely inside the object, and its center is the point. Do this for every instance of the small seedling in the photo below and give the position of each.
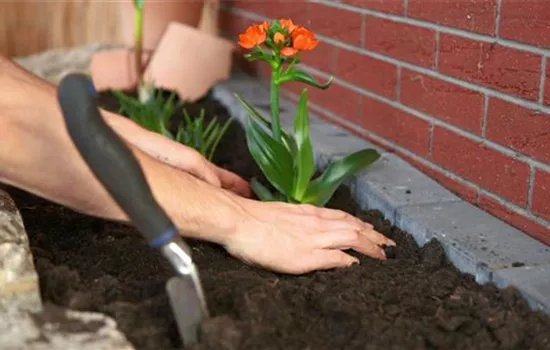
(157, 113)
(145, 89)
(202, 136)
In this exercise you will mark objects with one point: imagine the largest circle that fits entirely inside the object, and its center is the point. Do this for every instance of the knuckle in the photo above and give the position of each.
(353, 237)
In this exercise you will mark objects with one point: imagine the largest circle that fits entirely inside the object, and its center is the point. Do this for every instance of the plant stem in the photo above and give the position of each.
(143, 91)
(274, 101)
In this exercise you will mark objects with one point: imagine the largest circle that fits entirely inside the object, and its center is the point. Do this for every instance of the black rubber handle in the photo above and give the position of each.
(111, 160)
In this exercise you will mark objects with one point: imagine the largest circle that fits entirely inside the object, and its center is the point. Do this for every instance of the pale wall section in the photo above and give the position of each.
(31, 26)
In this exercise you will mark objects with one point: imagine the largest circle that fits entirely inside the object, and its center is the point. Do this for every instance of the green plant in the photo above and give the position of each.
(156, 114)
(145, 89)
(287, 161)
(202, 136)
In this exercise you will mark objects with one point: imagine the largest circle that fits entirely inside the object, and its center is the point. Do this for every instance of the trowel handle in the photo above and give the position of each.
(111, 160)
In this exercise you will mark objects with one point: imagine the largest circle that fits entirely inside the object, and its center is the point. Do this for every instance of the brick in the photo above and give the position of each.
(541, 193)
(297, 10)
(476, 162)
(519, 128)
(399, 127)
(323, 57)
(526, 21)
(336, 23)
(502, 68)
(388, 6)
(402, 41)
(547, 83)
(233, 24)
(458, 187)
(337, 99)
(445, 101)
(366, 72)
(477, 16)
(519, 221)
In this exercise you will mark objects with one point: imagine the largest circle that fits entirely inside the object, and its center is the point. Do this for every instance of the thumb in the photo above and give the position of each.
(233, 182)
(203, 170)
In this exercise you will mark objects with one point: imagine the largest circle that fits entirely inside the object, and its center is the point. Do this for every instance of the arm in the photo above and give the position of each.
(37, 155)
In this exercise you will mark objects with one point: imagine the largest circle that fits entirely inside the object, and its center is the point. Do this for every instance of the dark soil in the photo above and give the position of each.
(417, 300)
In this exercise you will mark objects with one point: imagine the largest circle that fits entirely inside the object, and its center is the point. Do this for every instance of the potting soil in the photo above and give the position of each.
(417, 300)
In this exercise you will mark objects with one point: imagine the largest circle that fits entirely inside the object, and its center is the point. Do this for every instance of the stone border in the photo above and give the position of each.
(475, 241)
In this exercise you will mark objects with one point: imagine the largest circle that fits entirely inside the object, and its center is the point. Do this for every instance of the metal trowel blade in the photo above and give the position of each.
(188, 306)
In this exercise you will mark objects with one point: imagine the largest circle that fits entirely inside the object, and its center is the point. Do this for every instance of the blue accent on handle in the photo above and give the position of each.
(163, 238)
(92, 90)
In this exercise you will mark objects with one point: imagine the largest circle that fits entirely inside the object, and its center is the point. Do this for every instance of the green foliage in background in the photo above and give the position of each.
(155, 115)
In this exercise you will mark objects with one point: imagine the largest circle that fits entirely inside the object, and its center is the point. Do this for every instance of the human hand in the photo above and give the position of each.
(177, 155)
(298, 239)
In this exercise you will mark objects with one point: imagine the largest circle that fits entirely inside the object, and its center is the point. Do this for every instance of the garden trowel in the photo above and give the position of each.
(118, 170)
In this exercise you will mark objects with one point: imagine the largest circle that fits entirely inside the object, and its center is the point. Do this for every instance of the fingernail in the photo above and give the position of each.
(355, 261)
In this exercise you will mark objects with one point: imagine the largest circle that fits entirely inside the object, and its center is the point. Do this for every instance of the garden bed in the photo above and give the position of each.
(417, 300)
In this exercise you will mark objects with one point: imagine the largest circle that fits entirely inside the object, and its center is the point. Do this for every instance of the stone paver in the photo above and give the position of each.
(532, 282)
(476, 242)
(391, 183)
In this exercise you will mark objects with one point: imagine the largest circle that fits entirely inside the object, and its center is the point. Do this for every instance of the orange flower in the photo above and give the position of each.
(254, 35)
(279, 38)
(303, 39)
(265, 25)
(288, 25)
(288, 51)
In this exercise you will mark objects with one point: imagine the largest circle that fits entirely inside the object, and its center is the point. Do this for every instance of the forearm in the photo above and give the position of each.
(38, 155)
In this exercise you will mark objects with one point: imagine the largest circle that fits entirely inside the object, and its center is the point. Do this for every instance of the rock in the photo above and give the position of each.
(18, 278)
(54, 64)
(25, 323)
(57, 328)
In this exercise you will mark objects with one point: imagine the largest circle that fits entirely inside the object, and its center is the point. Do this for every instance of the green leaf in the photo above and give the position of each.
(220, 134)
(304, 77)
(273, 158)
(322, 188)
(288, 141)
(304, 161)
(258, 54)
(261, 191)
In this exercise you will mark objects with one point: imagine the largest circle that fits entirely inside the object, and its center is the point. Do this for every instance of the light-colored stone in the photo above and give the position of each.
(391, 183)
(476, 242)
(18, 278)
(54, 328)
(54, 64)
(24, 323)
(533, 282)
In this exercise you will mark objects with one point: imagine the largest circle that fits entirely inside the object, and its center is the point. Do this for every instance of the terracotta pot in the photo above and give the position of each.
(115, 69)
(189, 61)
(157, 14)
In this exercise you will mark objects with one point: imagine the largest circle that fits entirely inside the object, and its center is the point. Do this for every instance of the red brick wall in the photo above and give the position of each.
(457, 87)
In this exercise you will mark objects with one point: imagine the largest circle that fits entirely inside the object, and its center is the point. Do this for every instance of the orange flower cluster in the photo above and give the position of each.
(301, 38)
